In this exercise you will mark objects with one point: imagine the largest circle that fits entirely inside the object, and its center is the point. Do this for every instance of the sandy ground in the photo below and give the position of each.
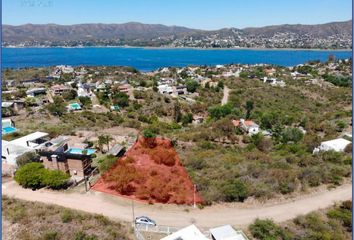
(179, 216)
(225, 96)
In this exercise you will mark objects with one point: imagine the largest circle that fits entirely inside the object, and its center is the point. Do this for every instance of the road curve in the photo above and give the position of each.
(179, 216)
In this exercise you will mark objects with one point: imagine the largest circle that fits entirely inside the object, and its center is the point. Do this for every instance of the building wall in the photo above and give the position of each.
(77, 167)
(55, 165)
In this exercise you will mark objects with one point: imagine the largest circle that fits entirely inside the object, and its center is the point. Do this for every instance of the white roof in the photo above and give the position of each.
(227, 233)
(6, 104)
(335, 144)
(11, 151)
(188, 233)
(28, 138)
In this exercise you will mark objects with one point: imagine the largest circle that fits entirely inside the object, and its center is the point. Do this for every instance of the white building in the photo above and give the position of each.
(337, 145)
(226, 233)
(165, 89)
(188, 233)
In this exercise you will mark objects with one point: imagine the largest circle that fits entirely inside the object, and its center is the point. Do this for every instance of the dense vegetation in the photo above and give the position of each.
(34, 175)
(33, 221)
(334, 223)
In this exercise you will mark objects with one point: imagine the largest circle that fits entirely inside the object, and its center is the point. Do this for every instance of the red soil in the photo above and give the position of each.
(150, 171)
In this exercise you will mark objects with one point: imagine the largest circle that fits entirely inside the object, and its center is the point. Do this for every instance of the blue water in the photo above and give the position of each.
(151, 59)
(75, 106)
(79, 151)
(8, 130)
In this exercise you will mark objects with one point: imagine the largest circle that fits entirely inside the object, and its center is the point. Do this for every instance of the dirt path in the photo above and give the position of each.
(179, 216)
(225, 96)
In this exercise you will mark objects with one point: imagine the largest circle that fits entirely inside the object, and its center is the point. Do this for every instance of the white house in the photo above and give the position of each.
(165, 89)
(247, 125)
(274, 81)
(337, 145)
(226, 233)
(35, 92)
(188, 233)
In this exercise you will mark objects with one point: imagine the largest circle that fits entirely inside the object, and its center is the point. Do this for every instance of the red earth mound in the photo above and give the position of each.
(150, 171)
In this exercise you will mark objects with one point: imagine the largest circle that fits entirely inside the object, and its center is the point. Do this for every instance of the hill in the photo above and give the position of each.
(329, 35)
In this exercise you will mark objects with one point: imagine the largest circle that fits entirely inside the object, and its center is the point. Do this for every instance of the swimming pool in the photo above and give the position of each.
(8, 130)
(80, 151)
(75, 106)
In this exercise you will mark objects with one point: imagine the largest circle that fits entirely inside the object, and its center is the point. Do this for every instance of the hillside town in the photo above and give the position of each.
(121, 132)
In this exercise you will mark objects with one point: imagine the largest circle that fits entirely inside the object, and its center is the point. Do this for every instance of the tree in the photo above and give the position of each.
(57, 108)
(220, 111)
(249, 108)
(34, 175)
(30, 175)
(85, 101)
(177, 112)
(187, 118)
(27, 158)
(291, 135)
(235, 190)
(55, 179)
(121, 99)
(192, 85)
(69, 95)
(104, 139)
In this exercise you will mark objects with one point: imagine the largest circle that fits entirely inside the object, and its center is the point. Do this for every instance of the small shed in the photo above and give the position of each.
(226, 233)
(337, 145)
(117, 150)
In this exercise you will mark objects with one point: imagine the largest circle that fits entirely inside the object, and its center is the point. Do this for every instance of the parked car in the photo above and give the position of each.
(145, 220)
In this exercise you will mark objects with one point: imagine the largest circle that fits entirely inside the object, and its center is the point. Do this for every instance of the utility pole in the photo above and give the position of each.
(133, 212)
(194, 205)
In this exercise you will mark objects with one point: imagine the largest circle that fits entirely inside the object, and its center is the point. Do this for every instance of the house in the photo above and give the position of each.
(270, 71)
(9, 154)
(8, 126)
(9, 108)
(337, 145)
(58, 90)
(188, 233)
(124, 88)
(10, 83)
(58, 156)
(36, 92)
(226, 233)
(197, 119)
(274, 81)
(164, 88)
(248, 126)
(11, 150)
(180, 90)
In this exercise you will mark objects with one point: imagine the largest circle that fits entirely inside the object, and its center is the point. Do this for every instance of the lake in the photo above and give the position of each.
(147, 59)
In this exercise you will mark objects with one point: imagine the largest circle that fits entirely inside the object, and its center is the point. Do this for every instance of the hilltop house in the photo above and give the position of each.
(337, 145)
(36, 92)
(247, 126)
(274, 81)
(58, 90)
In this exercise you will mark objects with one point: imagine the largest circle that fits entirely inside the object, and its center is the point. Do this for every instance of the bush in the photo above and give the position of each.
(265, 229)
(220, 111)
(106, 163)
(55, 179)
(235, 190)
(51, 235)
(27, 158)
(291, 135)
(30, 175)
(66, 216)
(34, 175)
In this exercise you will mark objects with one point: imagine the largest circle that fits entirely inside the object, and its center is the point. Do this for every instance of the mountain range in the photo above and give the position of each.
(330, 35)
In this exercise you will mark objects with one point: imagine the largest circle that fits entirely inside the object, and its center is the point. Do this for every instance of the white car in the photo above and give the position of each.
(145, 220)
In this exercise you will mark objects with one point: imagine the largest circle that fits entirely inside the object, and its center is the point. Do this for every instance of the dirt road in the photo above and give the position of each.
(179, 216)
(225, 96)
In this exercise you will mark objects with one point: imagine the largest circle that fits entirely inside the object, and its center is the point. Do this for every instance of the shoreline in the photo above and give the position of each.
(191, 48)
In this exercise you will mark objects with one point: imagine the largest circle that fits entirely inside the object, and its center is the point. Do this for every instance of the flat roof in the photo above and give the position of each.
(188, 233)
(8, 148)
(227, 233)
(22, 141)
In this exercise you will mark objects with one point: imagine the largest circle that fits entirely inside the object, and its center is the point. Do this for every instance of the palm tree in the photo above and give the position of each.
(101, 141)
(108, 139)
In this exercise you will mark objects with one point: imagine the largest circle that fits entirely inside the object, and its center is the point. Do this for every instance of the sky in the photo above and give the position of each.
(200, 14)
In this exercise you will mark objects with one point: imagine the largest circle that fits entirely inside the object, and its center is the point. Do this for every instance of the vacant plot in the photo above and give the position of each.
(32, 221)
(150, 171)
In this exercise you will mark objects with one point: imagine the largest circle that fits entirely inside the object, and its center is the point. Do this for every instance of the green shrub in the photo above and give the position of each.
(27, 158)
(265, 229)
(106, 163)
(55, 179)
(52, 235)
(34, 175)
(66, 216)
(235, 190)
(30, 175)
